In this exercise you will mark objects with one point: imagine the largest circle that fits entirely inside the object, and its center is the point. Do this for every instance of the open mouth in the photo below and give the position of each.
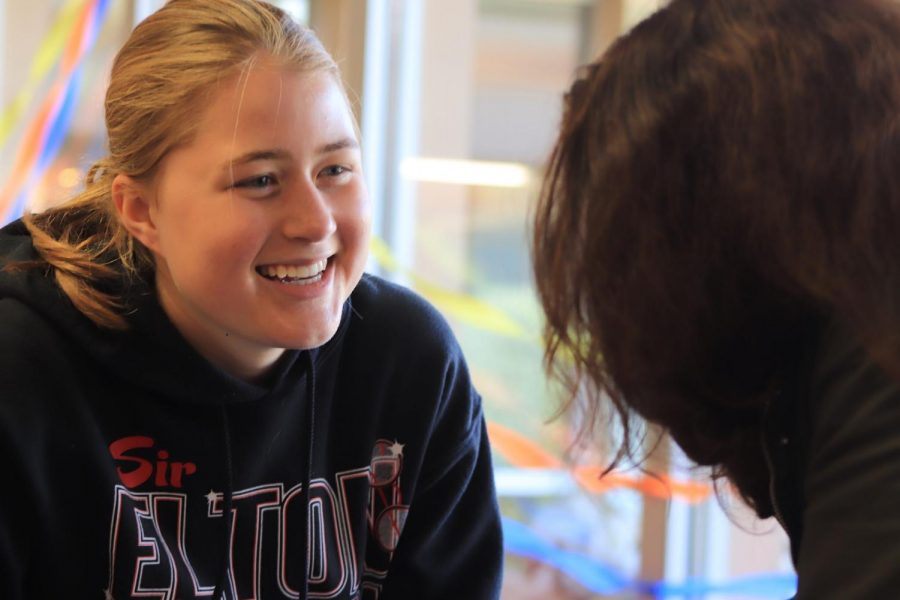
(294, 274)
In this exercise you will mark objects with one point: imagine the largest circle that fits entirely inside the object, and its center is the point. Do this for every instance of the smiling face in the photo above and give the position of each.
(259, 227)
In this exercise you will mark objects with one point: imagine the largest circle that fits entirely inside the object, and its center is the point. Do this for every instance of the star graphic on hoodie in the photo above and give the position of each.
(211, 497)
(397, 449)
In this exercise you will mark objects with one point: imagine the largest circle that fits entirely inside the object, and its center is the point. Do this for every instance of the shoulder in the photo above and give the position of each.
(852, 462)
(15, 242)
(20, 324)
(391, 311)
(844, 377)
(377, 296)
(399, 335)
(30, 347)
(36, 371)
(854, 402)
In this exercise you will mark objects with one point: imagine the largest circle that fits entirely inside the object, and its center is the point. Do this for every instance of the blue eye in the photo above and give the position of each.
(335, 171)
(258, 182)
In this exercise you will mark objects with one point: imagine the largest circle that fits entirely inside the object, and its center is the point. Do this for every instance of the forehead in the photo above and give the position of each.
(276, 101)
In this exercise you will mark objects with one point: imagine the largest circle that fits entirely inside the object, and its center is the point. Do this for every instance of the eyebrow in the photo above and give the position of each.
(339, 145)
(281, 154)
(250, 157)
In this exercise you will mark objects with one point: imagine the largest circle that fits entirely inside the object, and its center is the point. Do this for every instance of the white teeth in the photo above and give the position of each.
(293, 273)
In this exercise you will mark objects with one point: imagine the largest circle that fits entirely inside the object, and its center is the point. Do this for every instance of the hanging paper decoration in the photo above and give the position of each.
(46, 58)
(44, 136)
(524, 453)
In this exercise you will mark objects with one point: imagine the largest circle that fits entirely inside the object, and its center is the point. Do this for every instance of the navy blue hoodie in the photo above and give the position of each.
(134, 468)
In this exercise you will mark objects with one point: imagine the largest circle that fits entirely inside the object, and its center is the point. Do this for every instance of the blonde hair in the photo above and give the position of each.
(152, 103)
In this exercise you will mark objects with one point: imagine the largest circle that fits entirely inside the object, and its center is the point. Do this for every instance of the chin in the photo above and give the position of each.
(310, 338)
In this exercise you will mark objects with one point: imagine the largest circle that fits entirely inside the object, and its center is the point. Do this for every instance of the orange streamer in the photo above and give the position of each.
(519, 450)
(524, 453)
(660, 486)
(77, 43)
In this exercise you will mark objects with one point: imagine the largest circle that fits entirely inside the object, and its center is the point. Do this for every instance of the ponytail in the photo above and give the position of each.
(85, 245)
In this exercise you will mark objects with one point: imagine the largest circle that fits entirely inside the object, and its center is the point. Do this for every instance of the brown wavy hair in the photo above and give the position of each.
(726, 180)
(156, 91)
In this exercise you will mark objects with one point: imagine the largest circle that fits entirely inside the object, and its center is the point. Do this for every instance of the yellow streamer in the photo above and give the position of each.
(47, 56)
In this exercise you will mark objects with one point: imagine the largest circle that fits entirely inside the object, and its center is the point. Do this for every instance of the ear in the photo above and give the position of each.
(133, 203)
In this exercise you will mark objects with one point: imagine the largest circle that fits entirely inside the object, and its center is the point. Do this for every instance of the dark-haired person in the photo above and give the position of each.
(718, 246)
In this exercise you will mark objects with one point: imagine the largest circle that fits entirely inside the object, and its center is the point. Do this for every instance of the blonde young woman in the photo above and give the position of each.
(201, 393)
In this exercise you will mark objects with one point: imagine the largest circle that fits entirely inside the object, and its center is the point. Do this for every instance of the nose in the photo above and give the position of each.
(308, 213)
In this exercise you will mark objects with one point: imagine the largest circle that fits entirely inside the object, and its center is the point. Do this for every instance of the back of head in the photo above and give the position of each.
(725, 179)
(156, 94)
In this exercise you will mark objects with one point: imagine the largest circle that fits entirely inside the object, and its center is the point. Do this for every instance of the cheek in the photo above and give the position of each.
(357, 219)
(355, 231)
(209, 249)
(354, 227)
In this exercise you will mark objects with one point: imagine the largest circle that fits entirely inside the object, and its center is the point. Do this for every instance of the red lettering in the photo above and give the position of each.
(181, 468)
(143, 469)
(161, 468)
(166, 473)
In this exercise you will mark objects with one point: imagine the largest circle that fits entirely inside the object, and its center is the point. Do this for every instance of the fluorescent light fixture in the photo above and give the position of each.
(466, 172)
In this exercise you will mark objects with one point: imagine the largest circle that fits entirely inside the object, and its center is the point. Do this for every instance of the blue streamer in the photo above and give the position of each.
(52, 145)
(775, 586)
(63, 121)
(16, 210)
(60, 126)
(604, 579)
(594, 576)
